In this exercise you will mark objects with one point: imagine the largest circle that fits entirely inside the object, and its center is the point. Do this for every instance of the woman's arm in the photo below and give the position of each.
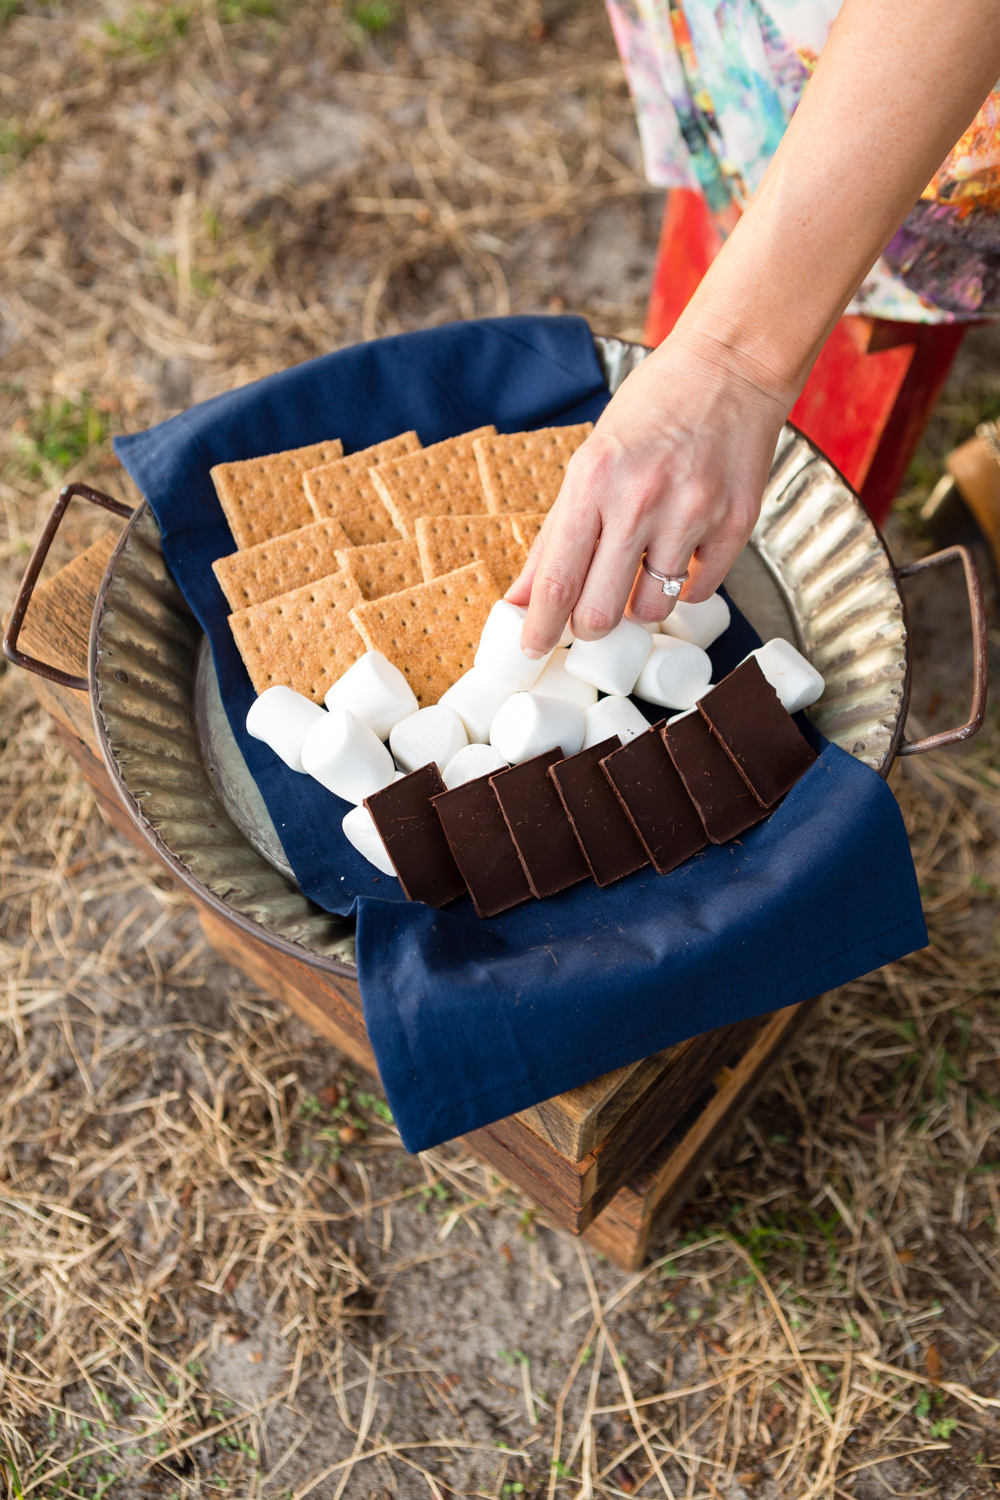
(678, 461)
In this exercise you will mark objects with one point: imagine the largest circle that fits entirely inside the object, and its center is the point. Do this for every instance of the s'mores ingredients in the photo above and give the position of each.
(524, 471)
(448, 542)
(375, 691)
(432, 734)
(281, 564)
(430, 631)
(499, 652)
(761, 738)
(675, 673)
(795, 680)
(360, 831)
(701, 624)
(304, 639)
(265, 497)
(529, 725)
(383, 567)
(477, 699)
(555, 682)
(613, 663)
(610, 844)
(613, 716)
(411, 831)
(656, 800)
(343, 490)
(441, 480)
(346, 757)
(282, 719)
(471, 762)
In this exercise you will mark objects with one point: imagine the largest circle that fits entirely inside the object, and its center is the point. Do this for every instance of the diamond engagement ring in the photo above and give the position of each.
(672, 583)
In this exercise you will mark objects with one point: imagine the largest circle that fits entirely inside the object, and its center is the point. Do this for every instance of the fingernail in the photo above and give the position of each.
(532, 654)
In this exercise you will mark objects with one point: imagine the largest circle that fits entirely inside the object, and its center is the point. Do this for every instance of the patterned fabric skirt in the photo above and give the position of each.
(715, 83)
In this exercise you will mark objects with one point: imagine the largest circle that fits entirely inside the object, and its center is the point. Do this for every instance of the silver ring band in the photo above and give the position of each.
(672, 583)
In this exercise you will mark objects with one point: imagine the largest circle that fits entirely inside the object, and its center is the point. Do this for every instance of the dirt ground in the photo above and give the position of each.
(220, 1272)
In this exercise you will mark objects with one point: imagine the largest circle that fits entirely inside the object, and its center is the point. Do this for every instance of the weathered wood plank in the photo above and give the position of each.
(645, 1207)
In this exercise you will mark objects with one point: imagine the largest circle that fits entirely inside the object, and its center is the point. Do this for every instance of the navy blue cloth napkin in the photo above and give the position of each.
(472, 1020)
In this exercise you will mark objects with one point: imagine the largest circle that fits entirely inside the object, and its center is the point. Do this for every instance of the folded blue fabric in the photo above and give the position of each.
(472, 1020)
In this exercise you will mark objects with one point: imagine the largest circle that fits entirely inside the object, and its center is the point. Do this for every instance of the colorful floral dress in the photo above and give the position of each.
(715, 83)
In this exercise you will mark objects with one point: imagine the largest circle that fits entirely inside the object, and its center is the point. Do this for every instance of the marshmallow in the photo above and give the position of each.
(347, 757)
(431, 734)
(528, 725)
(470, 762)
(796, 681)
(653, 626)
(283, 718)
(500, 653)
(477, 698)
(614, 662)
(359, 830)
(699, 624)
(555, 682)
(374, 690)
(613, 716)
(567, 637)
(675, 718)
(676, 674)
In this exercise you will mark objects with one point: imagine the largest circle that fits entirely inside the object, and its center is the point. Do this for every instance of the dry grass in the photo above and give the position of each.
(220, 1273)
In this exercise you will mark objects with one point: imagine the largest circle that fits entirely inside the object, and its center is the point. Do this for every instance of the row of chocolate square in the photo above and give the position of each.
(542, 826)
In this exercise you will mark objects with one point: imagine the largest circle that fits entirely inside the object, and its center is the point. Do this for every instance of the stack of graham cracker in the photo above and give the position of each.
(399, 549)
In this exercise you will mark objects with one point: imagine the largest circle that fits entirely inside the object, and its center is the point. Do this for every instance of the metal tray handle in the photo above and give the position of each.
(979, 653)
(35, 562)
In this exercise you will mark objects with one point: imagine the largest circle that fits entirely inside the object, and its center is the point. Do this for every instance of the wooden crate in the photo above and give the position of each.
(612, 1159)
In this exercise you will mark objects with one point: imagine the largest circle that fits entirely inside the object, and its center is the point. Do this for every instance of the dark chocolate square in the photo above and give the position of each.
(610, 844)
(762, 739)
(411, 831)
(725, 803)
(547, 846)
(483, 848)
(656, 800)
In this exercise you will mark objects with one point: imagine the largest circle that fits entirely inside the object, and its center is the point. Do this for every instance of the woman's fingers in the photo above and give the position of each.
(520, 590)
(566, 551)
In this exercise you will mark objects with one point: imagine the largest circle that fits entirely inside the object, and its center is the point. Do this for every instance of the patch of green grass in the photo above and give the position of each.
(58, 435)
(374, 16)
(231, 11)
(16, 143)
(149, 32)
(9, 9)
(8, 1473)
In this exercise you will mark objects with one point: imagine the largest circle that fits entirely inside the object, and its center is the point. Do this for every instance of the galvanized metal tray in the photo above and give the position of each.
(816, 571)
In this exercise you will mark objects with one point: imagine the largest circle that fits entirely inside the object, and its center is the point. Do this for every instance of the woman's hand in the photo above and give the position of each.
(677, 463)
(674, 468)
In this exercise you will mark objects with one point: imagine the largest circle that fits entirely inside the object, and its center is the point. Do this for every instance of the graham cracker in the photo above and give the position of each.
(523, 471)
(344, 491)
(280, 565)
(527, 526)
(431, 632)
(442, 480)
(264, 497)
(449, 542)
(303, 640)
(383, 568)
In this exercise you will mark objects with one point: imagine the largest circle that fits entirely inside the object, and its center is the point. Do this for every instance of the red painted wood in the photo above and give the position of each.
(872, 389)
(849, 397)
(936, 347)
(689, 242)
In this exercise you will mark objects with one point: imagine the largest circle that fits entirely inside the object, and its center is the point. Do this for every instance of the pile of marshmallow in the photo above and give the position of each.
(507, 708)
